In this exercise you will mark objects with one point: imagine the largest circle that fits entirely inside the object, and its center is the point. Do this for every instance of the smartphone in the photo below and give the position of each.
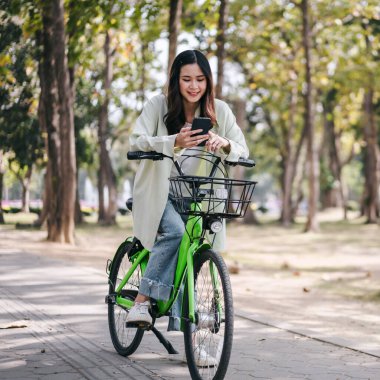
(203, 123)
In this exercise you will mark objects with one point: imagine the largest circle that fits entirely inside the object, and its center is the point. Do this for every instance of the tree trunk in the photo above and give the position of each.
(25, 184)
(335, 196)
(371, 160)
(78, 217)
(298, 189)
(370, 205)
(220, 50)
(46, 198)
(313, 168)
(2, 221)
(67, 131)
(78, 211)
(174, 28)
(289, 162)
(49, 91)
(238, 171)
(59, 119)
(141, 93)
(42, 123)
(107, 178)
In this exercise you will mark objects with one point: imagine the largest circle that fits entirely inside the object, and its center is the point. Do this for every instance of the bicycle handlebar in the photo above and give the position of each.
(139, 155)
(242, 162)
(155, 156)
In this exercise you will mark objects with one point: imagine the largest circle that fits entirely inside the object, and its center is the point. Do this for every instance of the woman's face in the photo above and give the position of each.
(192, 83)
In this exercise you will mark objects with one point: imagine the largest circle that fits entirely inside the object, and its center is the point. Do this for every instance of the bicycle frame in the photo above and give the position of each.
(192, 243)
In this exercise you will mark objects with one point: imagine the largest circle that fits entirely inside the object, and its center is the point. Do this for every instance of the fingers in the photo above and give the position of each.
(186, 138)
(196, 140)
(215, 142)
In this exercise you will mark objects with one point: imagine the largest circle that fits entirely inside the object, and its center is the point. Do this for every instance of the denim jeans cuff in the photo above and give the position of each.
(155, 289)
(174, 324)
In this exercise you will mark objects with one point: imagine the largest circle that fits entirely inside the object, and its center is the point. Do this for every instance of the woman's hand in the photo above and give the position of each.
(186, 139)
(216, 142)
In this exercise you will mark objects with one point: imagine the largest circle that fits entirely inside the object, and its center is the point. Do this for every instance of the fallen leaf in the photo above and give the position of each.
(285, 265)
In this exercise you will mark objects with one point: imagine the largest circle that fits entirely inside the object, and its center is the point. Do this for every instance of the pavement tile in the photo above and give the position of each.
(67, 337)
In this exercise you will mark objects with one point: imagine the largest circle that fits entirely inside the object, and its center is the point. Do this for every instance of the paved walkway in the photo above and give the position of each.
(53, 326)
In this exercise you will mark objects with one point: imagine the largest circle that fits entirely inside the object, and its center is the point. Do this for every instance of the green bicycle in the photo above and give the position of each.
(207, 316)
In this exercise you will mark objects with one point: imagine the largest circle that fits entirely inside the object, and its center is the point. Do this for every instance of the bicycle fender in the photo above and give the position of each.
(121, 247)
(202, 247)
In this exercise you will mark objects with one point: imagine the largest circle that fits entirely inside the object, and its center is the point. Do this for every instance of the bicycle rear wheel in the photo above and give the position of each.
(125, 339)
(208, 342)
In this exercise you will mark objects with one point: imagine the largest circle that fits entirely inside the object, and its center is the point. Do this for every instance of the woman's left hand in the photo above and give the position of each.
(216, 142)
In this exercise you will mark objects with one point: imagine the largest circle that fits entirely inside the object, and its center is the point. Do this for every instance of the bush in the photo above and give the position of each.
(35, 210)
(353, 205)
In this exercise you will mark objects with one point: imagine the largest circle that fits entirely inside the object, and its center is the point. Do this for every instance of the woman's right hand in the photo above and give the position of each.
(186, 139)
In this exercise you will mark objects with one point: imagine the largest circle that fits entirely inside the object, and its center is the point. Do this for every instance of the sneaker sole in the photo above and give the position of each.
(140, 324)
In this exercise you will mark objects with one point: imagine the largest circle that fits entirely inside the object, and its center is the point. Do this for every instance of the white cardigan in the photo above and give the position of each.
(151, 185)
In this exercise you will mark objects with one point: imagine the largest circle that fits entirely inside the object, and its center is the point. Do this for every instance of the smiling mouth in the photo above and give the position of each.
(193, 93)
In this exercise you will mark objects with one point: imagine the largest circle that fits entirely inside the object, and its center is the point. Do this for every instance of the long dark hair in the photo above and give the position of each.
(175, 118)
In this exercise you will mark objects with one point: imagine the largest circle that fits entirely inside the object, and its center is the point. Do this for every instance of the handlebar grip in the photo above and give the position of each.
(242, 162)
(139, 155)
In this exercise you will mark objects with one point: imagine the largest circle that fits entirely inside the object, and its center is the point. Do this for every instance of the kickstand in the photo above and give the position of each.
(164, 341)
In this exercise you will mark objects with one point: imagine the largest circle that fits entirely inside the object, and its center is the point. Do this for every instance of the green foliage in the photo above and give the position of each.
(19, 130)
(264, 48)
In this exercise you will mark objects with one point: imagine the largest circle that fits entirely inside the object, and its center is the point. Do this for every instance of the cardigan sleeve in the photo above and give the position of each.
(232, 132)
(144, 135)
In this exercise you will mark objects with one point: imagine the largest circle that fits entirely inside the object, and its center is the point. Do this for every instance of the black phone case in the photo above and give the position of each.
(203, 123)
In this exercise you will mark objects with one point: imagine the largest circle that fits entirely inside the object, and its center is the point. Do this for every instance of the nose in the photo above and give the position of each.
(193, 84)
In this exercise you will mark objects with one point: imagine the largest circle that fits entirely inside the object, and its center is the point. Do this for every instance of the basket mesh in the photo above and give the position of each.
(223, 197)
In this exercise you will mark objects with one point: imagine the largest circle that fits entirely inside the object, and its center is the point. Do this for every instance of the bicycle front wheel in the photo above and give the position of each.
(208, 341)
(125, 339)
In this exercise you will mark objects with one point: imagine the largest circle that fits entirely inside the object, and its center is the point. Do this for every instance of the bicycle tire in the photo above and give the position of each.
(125, 339)
(212, 334)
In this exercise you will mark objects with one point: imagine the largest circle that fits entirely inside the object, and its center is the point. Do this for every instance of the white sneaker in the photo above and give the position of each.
(203, 358)
(140, 314)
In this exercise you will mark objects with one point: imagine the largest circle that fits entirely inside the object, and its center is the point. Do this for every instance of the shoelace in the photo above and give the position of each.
(142, 308)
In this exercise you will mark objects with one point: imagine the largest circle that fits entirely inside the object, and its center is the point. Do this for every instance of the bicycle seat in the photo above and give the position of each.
(129, 203)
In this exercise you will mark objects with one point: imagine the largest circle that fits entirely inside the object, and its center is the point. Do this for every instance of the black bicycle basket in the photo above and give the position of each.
(223, 197)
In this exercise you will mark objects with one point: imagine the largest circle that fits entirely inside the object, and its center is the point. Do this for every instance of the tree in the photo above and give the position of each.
(106, 177)
(372, 154)
(175, 13)
(56, 96)
(334, 193)
(20, 136)
(1, 186)
(267, 47)
(313, 162)
(220, 50)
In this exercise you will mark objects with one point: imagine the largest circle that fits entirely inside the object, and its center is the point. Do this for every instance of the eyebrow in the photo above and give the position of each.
(189, 76)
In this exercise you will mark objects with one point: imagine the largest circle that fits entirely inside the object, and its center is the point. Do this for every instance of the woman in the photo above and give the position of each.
(165, 126)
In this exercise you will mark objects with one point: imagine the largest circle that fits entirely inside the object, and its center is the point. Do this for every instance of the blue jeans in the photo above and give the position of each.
(158, 279)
